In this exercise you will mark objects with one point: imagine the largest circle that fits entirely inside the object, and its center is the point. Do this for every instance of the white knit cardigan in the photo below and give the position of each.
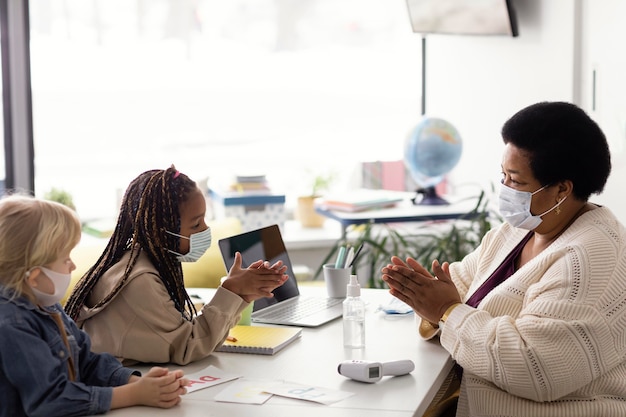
(550, 340)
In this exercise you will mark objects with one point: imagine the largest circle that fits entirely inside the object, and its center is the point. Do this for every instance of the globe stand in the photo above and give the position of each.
(430, 197)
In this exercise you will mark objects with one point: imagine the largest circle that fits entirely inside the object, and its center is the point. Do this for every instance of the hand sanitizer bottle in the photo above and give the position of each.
(353, 316)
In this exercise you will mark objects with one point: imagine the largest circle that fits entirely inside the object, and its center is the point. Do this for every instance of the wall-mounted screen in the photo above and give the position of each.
(463, 17)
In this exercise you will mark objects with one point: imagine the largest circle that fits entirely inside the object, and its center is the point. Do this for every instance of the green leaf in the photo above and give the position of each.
(446, 241)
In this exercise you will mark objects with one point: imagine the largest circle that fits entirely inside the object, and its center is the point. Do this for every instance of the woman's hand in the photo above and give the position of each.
(428, 295)
(256, 281)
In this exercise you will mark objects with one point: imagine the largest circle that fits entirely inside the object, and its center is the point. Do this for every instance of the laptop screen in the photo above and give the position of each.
(267, 244)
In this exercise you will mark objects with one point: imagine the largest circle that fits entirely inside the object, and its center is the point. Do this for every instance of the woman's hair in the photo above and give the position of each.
(33, 233)
(562, 143)
(150, 207)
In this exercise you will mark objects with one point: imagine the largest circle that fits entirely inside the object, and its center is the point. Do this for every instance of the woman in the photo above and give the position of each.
(536, 315)
(133, 301)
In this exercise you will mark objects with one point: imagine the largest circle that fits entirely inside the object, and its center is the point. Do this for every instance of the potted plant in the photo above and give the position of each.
(446, 241)
(60, 196)
(305, 209)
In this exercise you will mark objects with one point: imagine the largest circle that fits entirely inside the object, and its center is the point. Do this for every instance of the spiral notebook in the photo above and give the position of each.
(261, 340)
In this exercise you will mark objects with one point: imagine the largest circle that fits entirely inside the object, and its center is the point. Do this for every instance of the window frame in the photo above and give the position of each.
(19, 151)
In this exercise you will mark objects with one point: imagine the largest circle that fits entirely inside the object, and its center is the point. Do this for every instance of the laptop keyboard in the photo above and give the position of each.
(305, 307)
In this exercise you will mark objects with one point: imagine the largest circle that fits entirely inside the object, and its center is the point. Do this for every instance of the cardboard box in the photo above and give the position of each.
(387, 175)
(393, 175)
(254, 210)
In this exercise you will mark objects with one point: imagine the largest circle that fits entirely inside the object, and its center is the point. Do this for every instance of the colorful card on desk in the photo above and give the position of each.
(259, 339)
(309, 393)
(247, 391)
(208, 377)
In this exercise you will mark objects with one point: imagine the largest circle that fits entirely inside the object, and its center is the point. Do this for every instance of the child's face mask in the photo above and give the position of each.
(198, 244)
(60, 283)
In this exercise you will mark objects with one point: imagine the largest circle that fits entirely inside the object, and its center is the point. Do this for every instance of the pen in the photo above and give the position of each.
(231, 339)
(355, 255)
(340, 257)
(349, 258)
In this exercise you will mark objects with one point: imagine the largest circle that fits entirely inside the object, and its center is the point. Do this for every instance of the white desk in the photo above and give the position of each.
(404, 211)
(313, 360)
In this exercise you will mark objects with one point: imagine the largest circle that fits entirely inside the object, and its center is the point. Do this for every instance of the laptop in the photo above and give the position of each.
(288, 306)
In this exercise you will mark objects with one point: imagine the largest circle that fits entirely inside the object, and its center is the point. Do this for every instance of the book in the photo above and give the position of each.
(250, 178)
(244, 183)
(262, 340)
(249, 186)
(360, 200)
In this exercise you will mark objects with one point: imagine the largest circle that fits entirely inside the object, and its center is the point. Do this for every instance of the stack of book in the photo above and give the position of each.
(360, 200)
(250, 183)
(250, 199)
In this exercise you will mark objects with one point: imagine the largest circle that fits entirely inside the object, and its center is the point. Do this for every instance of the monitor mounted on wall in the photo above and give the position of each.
(463, 17)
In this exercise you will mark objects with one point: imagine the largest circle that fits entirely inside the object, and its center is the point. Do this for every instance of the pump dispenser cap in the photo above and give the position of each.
(354, 289)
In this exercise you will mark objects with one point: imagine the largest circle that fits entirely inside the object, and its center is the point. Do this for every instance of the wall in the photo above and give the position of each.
(603, 56)
(477, 83)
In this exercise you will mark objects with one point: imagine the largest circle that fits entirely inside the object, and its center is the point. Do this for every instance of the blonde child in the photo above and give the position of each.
(46, 364)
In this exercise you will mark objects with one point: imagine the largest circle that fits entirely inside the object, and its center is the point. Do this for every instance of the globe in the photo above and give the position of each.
(432, 149)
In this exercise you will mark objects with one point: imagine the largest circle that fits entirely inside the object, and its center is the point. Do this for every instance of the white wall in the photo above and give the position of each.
(477, 83)
(603, 54)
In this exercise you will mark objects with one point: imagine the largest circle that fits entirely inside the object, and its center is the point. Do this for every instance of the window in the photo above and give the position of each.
(2, 158)
(218, 88)
(17, 167)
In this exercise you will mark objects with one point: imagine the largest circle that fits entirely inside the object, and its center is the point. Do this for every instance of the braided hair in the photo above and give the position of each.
(150, 207)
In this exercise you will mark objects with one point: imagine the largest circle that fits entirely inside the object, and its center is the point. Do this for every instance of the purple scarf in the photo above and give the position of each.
(505, 270)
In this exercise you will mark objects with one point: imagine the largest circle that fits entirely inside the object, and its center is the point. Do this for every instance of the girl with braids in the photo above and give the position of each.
(47, 367)
(133, 301)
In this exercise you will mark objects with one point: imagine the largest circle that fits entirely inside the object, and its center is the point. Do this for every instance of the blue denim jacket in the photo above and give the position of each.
(34, 376)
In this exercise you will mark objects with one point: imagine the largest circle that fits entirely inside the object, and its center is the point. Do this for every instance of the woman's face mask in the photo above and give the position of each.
(198, 244)
(60, 284)
(515, 207)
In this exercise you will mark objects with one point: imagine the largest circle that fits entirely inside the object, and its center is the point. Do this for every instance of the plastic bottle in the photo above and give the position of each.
(353, 316)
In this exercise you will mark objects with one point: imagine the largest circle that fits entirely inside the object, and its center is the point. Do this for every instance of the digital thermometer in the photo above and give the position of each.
(368, 371)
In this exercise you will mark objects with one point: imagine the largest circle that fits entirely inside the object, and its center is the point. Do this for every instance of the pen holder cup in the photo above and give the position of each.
(246, 314)
(336, 280)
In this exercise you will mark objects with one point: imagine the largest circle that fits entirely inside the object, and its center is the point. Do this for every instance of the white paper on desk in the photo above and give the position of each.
(248, 391)
(208, 377)
(309, 393)
(396, 306)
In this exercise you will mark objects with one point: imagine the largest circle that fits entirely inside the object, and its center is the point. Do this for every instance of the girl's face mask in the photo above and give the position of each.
(515, 207)
(60, 284)
(198, 244)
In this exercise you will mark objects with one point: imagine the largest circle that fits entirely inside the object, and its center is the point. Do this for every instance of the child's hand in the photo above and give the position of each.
(256, 281)
(161, 388)
(158, 388)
